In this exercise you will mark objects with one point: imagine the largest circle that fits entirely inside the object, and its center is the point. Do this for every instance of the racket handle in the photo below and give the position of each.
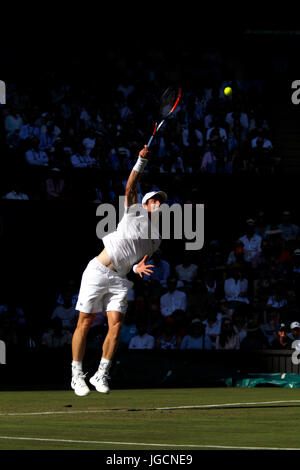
(150, 141)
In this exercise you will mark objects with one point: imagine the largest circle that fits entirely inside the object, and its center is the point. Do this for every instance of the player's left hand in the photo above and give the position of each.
(143, 268)
(145, 153)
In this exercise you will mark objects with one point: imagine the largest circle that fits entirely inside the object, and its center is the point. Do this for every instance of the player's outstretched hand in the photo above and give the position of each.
(144, 268)
(145, 153)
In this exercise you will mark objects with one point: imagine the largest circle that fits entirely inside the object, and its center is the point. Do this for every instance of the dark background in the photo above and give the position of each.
(43, 244)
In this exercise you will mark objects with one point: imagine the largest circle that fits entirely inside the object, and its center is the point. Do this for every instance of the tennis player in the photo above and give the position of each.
(104, 285)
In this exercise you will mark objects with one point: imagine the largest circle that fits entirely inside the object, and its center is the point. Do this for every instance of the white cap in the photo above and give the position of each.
(153, 193)
(295, 324)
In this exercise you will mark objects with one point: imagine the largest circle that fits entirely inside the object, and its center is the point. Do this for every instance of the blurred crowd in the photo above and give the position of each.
(239, 296)
(53, 135)
(78, 140)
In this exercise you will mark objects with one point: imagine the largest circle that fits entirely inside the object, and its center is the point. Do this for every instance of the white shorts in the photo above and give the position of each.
(102, 289)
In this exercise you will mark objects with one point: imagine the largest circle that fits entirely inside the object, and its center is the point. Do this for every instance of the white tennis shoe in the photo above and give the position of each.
(79, 386)
(100, 382)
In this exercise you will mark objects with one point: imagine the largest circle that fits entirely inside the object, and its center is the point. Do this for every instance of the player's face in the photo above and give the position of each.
(154, 203)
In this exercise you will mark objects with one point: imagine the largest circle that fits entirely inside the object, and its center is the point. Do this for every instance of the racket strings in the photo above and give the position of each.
(169, 101)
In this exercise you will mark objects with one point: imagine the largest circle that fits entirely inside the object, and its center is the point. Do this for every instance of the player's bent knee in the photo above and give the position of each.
(85, 320)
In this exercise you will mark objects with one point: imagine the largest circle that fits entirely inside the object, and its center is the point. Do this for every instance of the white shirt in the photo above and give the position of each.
(68, 316)
(36, 157)
(170, 302)
(13, 123)
(275, 304)
(266, 143)
(14, 195)
(186, 274)
(242, 333)
(79, 161)
(207, 120)
(186, 134)
(28, 131)
(130, 242)
(233, 289)
(142, 342)
(243, 120)
(202, 342)
(215, 328)
(50, 340)
(252, 246)
(222, 133)
(89, 144)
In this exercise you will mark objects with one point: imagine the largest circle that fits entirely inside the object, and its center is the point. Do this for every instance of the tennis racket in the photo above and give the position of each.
(168, 103)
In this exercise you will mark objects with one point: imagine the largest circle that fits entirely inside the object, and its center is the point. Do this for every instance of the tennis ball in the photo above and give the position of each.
(227, 91)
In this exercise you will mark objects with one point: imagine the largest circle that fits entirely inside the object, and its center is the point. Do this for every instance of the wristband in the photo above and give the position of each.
(134, 268)
(140, 164)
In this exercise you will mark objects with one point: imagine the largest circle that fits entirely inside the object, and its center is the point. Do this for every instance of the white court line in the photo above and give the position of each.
(73, 441)
(217, 405)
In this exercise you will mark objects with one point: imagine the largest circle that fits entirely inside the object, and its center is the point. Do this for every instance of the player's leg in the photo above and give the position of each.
(92, 288)
(84, 323)
(115, 322)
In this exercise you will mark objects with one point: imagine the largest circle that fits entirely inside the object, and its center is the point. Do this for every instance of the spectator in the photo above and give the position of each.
(213, 324)
(174, 299)
(209, 162)
(142, 340)
(192, 135)
(35, 156)
(66, 312)
(55, 185)
(49, 136)
(161, 269)
(239, 325)
(261, 153)
(215, 158)
(271, 326)
(262, 257)
(236, 287)
(281, 341)
(294, 334)
(168, 339)
(237, 255)
(216, 129)
(129, 329)
(255, 338)
(228, 338)
(28, 131)
(260, 141)
(56, 336)
(69, 289)
(277, 300)
(186, 271)
(89, 142)
(79, 160)
(196, 337)
(237, 115)
(261, 225)
(16, 193)
(172, 161)
(210, 283)
(13, 121)
(180, 321)
(252, 241)
(289, 230)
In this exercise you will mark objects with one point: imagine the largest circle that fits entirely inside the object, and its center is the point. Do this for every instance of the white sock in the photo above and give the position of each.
(76, 367)
(104, 365)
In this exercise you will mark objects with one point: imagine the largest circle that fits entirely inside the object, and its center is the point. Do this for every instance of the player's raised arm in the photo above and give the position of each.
(134, 177)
